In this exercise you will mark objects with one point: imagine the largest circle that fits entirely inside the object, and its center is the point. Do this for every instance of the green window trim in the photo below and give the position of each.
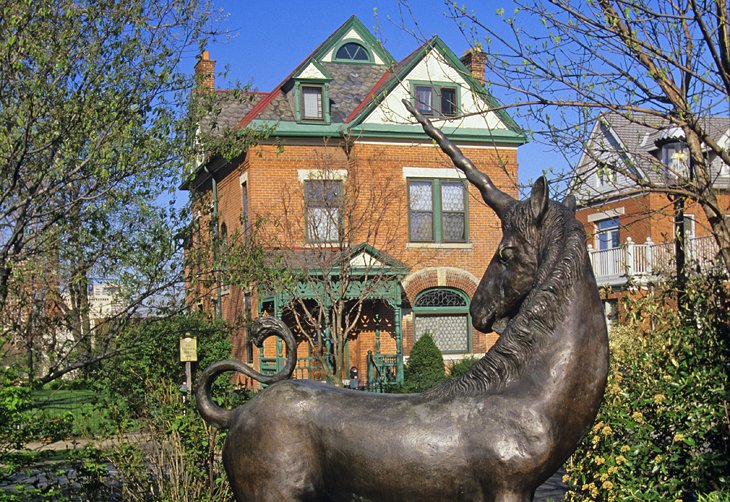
(437, 212)
(368, 52)
(299, 102)
(438, 89)
(423, 310)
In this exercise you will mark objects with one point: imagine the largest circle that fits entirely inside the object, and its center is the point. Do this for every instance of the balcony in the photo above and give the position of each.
(645, 262)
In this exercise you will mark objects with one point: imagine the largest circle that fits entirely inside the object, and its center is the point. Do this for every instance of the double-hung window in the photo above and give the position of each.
(434, 100)
(322, 201)
(437, 210)
(312, 102)
(607, 234)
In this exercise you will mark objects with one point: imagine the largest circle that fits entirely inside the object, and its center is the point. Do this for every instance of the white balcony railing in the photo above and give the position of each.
(641, 262)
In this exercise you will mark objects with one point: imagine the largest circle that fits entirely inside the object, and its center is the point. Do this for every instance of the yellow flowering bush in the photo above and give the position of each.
(662, 431)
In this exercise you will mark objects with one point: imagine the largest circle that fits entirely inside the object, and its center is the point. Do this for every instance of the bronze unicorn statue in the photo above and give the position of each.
(494, 434)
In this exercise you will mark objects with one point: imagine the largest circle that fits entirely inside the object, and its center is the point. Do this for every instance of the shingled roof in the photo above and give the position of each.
(357, 92)
(633, 143)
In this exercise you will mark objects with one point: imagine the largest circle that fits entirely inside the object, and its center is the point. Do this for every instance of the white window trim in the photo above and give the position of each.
(433, 172)
(440, 245)
(321, 174)
(609, 213)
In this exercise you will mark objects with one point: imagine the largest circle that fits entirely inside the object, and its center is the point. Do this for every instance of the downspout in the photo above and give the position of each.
(216, 243)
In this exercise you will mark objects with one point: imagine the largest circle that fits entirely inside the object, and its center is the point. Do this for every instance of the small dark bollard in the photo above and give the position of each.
(493, 434)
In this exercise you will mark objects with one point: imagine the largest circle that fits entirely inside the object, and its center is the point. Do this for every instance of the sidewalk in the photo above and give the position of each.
(79, 443)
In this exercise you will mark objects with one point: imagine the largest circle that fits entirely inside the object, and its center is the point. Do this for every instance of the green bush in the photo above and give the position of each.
(459, 368)
(14, 399)
(662, 431)
(425, 367)
(152, 355)
(180, 457)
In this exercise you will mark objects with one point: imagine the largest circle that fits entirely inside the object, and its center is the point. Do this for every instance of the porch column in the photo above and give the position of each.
(649, 256)
(397, 314)
(278, 301)
(630, 266)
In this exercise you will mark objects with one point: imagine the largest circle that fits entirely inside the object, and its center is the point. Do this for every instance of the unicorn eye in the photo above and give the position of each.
(505, 254)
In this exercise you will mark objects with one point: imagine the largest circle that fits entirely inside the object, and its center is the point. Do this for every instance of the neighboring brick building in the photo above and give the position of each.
(347, 171)
(631, 233)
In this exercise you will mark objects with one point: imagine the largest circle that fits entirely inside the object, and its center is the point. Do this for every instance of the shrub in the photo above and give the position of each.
(662, 430)
(152, 355)
(14, 399)
(425, 367)
(181, 456)
(459, 368)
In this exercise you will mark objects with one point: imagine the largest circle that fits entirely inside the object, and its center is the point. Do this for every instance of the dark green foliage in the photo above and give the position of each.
(459, 368)
(143, 386)
(425, 366)
(152, 356)
(14, 398)
(662, 431)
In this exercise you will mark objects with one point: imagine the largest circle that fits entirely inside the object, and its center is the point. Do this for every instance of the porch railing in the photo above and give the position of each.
(382, 372)
(307, 368)
(642, 262)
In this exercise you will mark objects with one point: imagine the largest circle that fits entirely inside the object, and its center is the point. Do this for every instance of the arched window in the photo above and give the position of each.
(352, 51)
(444, 314)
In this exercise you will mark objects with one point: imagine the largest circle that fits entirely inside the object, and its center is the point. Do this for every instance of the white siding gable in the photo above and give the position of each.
(434, 68)
(311, 71)
(353, 36)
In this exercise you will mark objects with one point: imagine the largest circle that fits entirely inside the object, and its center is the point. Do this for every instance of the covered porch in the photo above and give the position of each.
(375, 345)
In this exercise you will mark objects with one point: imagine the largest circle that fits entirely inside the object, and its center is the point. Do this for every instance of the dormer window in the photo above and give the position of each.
(352, 51)
(674, 156)
(436, 99)
(311, 105)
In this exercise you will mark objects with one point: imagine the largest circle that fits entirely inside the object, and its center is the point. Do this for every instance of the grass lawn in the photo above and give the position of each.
(77, 407)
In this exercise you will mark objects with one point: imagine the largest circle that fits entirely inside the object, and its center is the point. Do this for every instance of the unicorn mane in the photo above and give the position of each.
(562, 265)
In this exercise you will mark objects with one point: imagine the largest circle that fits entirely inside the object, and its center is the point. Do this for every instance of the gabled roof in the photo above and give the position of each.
(633, 143)
(275, 102)
(363, 259)
(399, 72)
(356, 88)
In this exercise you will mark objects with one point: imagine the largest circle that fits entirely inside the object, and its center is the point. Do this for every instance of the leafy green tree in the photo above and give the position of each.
(152, 355)
(96, 124)
(425, 367)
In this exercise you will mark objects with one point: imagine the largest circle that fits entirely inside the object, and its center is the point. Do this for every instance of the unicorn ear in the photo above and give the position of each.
(569, 202)
(539, 199)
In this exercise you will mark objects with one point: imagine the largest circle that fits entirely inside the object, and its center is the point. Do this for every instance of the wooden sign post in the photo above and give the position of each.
(188, 354)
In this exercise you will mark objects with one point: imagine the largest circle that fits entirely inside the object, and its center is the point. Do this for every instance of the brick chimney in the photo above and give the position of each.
(205, 73)
(474, 60)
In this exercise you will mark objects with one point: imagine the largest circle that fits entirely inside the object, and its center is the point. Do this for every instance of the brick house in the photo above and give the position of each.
(631, 233)
(346, 176)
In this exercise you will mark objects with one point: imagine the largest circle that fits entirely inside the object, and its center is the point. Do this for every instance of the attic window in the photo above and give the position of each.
(674, 157)
(352, 51)
(430, 100)
(312, 102)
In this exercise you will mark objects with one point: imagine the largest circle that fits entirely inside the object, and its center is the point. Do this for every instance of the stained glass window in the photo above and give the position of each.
(440, 298)
(443, 314)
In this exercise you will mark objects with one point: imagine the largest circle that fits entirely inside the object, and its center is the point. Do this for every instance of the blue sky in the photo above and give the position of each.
(268, 39)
